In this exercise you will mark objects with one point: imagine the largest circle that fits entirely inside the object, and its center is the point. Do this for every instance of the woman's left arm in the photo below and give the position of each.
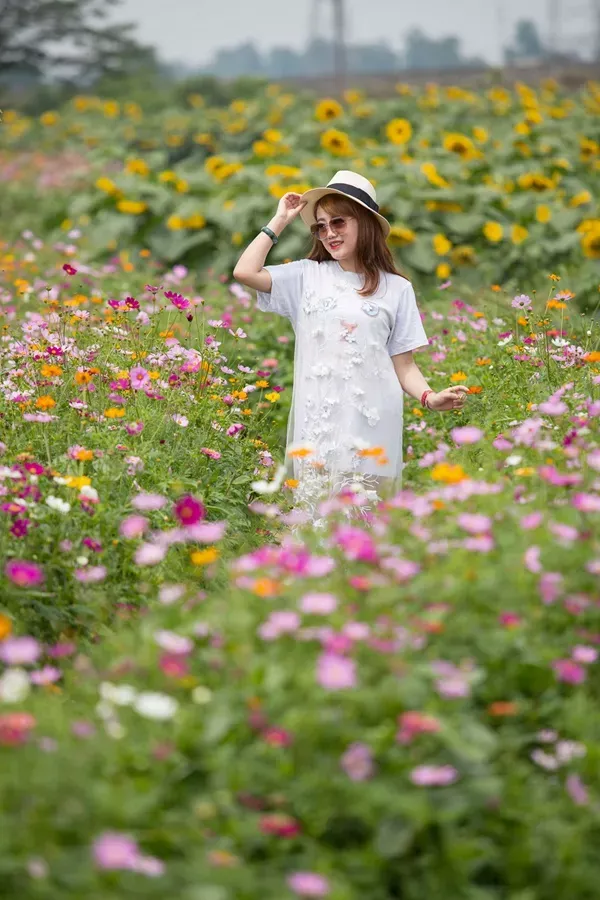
(414, 383)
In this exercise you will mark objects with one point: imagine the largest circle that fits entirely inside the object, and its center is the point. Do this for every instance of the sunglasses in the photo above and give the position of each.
(338, 223)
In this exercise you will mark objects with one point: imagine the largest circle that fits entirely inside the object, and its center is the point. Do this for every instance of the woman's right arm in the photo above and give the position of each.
(249, 269)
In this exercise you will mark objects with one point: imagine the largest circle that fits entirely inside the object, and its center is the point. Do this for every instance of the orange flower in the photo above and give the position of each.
(503, 708)
(84, 455)
(83, 377)
(5, 626)
(438, 504)
(370, 451)
(448, 473)
(458, 376)
(475, 389)
(114, 413)
(45, 402)
(593, 356)
(266, 587)
(496, 288)
(291, 483)
(483, 361)
(205, 557)
(49, 371)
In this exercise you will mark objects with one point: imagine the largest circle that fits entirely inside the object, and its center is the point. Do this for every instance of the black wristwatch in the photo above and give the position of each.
(271, 234)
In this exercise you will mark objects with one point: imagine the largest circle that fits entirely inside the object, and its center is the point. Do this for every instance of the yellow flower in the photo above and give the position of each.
(106, 185)
(77, 481)
(114, 413)
(543, 213)
(448, 473)
(337, 142)
(51, 371)
(580, 198)
(84, 455)
(137, 167)
(264, 149)
(493, 231)
(111, 109)
(196, 100)
(460, 144)
(590, 244)
(167, 175)
(175, 222)
(399, 236)
(525, 470)
(518, 234)
(433, 176)
(399, 131)
(458, 376)
(132, 207)
(480, 134)
(441, 244)
(182, 186)
(327, 110)
(273, 397)
(463, 255)
(443, 271)
(49, 118)
(205, 557)
(535, 181)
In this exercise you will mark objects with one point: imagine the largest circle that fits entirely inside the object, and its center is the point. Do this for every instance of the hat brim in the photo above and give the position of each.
(314, 194)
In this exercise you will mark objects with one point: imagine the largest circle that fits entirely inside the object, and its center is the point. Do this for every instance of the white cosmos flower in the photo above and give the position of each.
(119, 694)
(269, 487)
(89, 492)
(505, 341)
(153, 705)
(513, 460)
(14, 685)
(59, 505)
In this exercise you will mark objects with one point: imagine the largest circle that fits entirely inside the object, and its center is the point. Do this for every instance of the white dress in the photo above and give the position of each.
(347, 402)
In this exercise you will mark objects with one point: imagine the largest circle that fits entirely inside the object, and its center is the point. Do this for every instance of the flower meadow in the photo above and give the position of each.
(200, 697)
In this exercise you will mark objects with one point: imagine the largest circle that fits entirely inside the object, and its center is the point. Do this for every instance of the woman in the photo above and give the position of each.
(357, 324)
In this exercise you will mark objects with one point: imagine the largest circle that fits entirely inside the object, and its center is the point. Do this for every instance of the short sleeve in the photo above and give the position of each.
(286, 289)
(407, 332)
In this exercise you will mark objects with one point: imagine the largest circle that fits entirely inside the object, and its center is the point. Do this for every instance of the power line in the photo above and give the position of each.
(338, 17)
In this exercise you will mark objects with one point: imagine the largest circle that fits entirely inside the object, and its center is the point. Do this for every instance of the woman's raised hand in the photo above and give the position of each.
(290, 206)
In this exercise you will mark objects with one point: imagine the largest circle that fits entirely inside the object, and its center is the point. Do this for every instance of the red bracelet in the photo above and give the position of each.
(424, 398)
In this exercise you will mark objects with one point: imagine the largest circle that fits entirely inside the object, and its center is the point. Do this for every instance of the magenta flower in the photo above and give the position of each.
(134, 427)
(468, 434)
(69, 269)
(356, 543)
(569, 671)
(188, 510)
(308, 884)
(177, 300)
(357, 762)
(586, 502)
(336, 673)
(19, 651)
(24, 573)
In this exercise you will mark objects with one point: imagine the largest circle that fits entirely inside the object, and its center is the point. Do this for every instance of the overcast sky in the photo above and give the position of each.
(190, 31)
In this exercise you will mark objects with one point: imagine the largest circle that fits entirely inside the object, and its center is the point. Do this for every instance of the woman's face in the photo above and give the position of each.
(341, 244)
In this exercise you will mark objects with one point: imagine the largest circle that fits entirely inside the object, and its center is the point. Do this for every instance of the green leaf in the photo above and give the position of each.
(420, 255)
(394, 837)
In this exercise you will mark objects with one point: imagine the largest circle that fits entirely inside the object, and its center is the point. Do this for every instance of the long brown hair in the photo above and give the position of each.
(372, 253)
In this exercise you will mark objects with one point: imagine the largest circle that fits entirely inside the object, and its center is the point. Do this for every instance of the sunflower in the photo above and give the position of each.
(441, 244)
(327, 110)
(460, 144)
(430, 171)
(493, 231)
(518, 234)
(463, 255)
(591, 244)
(543, 213)
(535, 181)
(399, 131)
(337, 142)
(400, 236)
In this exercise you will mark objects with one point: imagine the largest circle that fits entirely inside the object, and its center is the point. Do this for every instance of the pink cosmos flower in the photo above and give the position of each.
(582, 654)
(474, 523)
(467, 434)
(45, 675)
(532, 559)
(553, 407)
(357, 762)
(90, 574)
(586, 502)
(140, 378)
(531, 520)
(576, 790)
(336, 673)
(149, 554)
(521, 301)
(318, 604)
(134, 427)
(279, 622)
(19, 651)
(550, 585)
(308, 884)
(114, 850)
(356, 543)
(413, 723)
(433, 776)
(24, 573)
(133, 526)
(148, 501)
(178, 301)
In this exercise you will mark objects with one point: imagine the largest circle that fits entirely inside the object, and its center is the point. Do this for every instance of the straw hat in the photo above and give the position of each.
(348, 184)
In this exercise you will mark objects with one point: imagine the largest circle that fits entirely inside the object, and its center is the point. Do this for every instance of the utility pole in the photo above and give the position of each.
(339, 47)
(596, 29)
(554, 22)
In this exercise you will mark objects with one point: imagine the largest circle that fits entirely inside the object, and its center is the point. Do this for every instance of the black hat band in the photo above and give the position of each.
(357, 193)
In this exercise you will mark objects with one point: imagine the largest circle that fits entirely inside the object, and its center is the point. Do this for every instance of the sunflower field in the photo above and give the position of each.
(202, 698)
